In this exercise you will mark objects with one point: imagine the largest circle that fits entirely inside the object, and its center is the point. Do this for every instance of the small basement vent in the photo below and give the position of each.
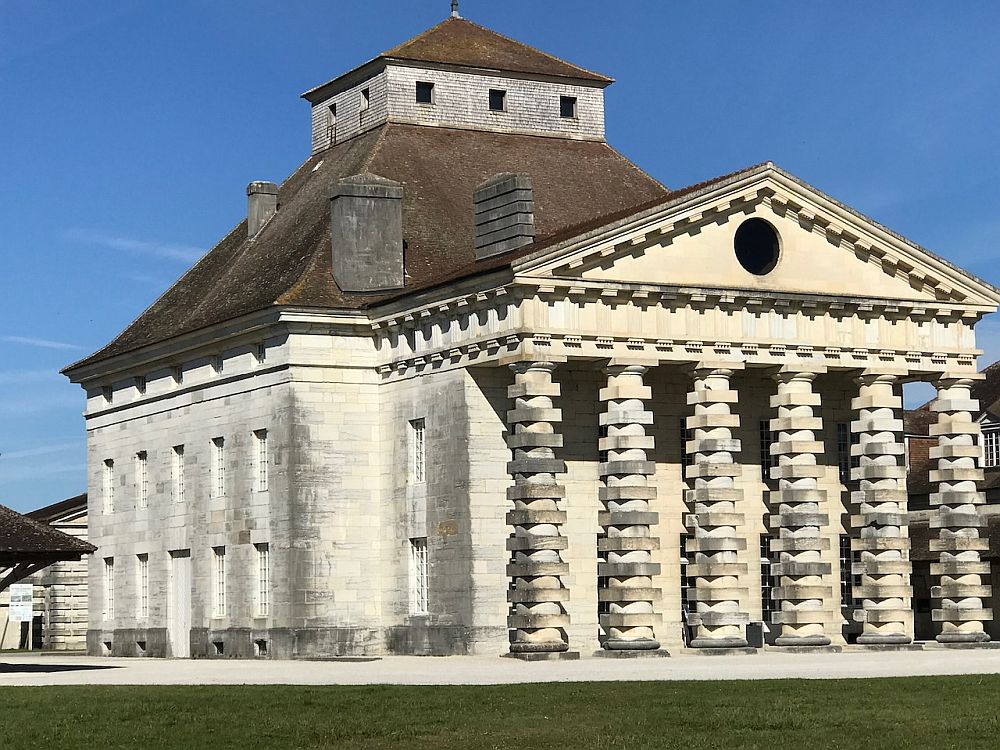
(504, 213)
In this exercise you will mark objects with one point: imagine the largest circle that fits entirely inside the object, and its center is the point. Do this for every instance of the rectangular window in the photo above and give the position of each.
(177, 473)
(767, 581)
(498, 100)
(219, 581)
(140, 384)
(331, 115)
(567, 106)
(366, 99)
(108, 488)
(686, 582)
(418, 576)
(846, 574)
(218, 363)
(991, 448)
(425, 92)
(260, 459)
(766, 441)
(418, 462)
(178, 375)
(141, 480)
(261, 353)
(844, 451)
(263, 598)
(686, 434)
(218, 479)
(108, 393)
(142, 573)
(109, 588)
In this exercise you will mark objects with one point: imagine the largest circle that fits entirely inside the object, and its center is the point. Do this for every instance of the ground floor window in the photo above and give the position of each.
(418, 576)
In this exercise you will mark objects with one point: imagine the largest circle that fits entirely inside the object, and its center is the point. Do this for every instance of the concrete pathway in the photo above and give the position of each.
(54, 669)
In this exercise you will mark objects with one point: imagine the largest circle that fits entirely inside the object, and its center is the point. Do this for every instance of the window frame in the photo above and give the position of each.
(419, 577)
(262, 591)
(177, 472)
(503, 100)
(260, 463)
(109, 588)
(218, 582)
(573, 102)
(418, 450)
(142, 479)
(108, 486)
(424, 87)
(218, 466)
(142, 575)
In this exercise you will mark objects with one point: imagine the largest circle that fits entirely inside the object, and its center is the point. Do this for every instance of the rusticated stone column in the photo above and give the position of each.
(538, 618)
(626, 540)
(960, 592)
(883, 544)
(716, 514)
(804, 578)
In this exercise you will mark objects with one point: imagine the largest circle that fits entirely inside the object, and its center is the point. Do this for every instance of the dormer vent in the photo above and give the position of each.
(262, 203)
(366, 228)
(504, 214)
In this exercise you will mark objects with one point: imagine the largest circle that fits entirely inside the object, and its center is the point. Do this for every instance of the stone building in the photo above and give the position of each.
(469, 381)
(920, 442)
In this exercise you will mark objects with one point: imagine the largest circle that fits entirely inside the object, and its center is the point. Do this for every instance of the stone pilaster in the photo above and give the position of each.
(716, 514)
(960, 590)
(882, 543)
(805, 584)
(626, 542)
(538, 618)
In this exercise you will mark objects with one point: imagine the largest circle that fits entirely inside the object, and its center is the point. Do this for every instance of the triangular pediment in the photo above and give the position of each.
(824, 248)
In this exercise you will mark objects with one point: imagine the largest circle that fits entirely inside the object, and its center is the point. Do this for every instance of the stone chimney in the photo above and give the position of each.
(505, 214)
(366, 227)
(262, 203)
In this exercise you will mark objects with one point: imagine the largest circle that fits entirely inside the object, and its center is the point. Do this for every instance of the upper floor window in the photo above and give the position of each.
(418, 461)
(108, 485)
(567, 106)
(425, 92)
(142, 479)
(766, 441)
(218, 467)
(108, 393)
(178, 374)
(331, 115)
(140, 384)
(177, 473)
(218, 363)
(261, 353)
(498, 100)
(991, 447)
(260, 459)
(686, 434)
(366, 99)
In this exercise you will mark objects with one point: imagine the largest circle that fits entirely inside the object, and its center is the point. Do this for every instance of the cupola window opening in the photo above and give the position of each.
(757, 246)
(567, 107)
(498, 100)
(425, 92)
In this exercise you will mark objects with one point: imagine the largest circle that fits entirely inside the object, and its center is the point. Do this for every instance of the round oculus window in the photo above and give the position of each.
(756, 245)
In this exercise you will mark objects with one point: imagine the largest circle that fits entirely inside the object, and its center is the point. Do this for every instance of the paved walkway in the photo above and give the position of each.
(54, 669)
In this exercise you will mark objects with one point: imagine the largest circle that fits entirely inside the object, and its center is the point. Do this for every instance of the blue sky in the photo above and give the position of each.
(129, 130)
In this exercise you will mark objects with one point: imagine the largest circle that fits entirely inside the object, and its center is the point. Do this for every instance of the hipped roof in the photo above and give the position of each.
(289, 261)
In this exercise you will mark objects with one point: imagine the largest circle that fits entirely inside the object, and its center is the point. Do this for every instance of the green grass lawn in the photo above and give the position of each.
(931, 712)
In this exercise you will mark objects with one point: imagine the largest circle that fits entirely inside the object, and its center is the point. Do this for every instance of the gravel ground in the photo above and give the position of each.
(66, 669)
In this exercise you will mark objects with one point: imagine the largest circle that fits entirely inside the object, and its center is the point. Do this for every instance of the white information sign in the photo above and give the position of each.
(20, 602)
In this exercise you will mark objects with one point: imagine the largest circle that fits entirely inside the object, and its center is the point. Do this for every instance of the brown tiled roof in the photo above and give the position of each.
(288, 263)
(23, 538)
(458, 41)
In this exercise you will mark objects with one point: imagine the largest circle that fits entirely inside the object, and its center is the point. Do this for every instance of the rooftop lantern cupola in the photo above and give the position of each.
(461, 75)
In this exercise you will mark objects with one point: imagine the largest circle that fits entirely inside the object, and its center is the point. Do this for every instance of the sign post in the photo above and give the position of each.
(21, 606)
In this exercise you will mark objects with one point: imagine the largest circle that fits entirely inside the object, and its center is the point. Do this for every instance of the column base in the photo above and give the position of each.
(623, 654)
(542, 655)
(639, 644)
(802, 640)
(717, 643)
(539, 648)
(886, 647)
(805, 649)
(884, 640)
(734, 651)
(965, 638)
